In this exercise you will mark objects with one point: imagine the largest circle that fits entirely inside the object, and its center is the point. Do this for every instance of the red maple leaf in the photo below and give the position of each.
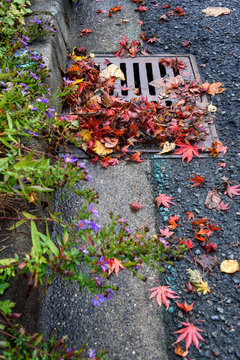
(232, 190)
(141, 8)
(190, 333)
(166, 6)
(114, 9)
(163, 199)
(166, 232)
(108, 161)
(223, 206)
(210, 247)
(187, 151)
(185, 306)
(135, 206)
(162, 293)
(197, 180)
(114, 265)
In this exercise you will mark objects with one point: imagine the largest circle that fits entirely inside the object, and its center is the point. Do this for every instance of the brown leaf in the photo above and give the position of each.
(208, 262)
(165, 83)
(216, 11)
(212, 200)
(215, 88)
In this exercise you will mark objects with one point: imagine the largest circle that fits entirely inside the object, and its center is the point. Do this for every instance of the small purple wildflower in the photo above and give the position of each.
(33, 75)
(79, 164)
(93, 211)
(34, 108)
(84, 251)
(92, 354)
(3, 83)
(69, 159)
(51, 29)
(98, 299)
(164, 242)
(103, 263)
(136, 267)
(94, 227)
(32, 133)
(49, 113)
(82, 225)
(36, 20)
(43, 100)
(98, 281)
(67, 81)
(109, 293)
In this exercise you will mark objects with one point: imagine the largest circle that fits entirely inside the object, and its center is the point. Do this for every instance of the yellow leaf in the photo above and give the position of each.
(112, 70)
(229, 266)
(202, 286)
(167, 147)
(216, 11)
(100, 149)
(78, 81)
(85, 134)
(33, 197)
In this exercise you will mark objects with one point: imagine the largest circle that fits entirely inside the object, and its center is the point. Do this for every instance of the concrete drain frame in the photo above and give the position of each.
(139, 72)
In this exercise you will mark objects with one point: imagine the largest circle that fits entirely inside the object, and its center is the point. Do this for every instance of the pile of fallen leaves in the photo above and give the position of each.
(107, 127)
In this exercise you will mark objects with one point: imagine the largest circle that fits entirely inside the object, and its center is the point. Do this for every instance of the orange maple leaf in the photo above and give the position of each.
(114, 265)
(185, 306)
(197, 180)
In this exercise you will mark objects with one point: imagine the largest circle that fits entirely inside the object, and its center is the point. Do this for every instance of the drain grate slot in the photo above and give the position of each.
(150, 78)
(137, 83)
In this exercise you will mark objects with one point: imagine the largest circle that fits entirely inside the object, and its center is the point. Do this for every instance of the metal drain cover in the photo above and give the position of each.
(139, 72)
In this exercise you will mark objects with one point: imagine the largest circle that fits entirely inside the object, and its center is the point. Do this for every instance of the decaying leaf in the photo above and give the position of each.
(85, 134)
(208, 262)
(216, 11)
(167, 147)
(112, 70)
(179, 351)
(212, 200)
(166, 83)
(100, 149)
(135, 206)
(229, 266)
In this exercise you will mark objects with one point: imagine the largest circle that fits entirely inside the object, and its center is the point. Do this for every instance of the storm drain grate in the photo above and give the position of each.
(139, 72)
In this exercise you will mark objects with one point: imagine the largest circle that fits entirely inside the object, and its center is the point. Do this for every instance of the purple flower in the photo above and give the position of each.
(43, 100)
(67, 81)
(103, 263)
(95, 227)
(109, 293)
(32, 133)
(91, 354)
(34, 76)
(49, 113)
(36, 20)
(98, 281)
(69, 159)
(52, 30)
(79, 164)
(93, 211)
(84, 251)
(3, 83)
(34, 108)
(164, 242)
(82, 224)
(99, 298)
(136, 267)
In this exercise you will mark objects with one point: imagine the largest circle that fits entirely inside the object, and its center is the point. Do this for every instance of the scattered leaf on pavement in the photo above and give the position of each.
(187, 151)
(167, 147)
(112, 70)
(197, 180)
(114, 265)
(163, 199)
(190, 333)
(213, 199)
(135, 206)
(229, 266)
(216, 11)
(232, 190)
(162, 294)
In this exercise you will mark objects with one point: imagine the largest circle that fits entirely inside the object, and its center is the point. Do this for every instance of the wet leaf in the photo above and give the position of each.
(187, 151)
(208, 262)
(212, 200)
(112, 70)
(216, 11)
(229, 266)
(179, 351)
(167, 147)
(100, 149)
(222, 206)
(163, 199)
(190, 333)
(185, 306)
(162, 294)
(232, 190)
(197, 180)
(135, 206)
